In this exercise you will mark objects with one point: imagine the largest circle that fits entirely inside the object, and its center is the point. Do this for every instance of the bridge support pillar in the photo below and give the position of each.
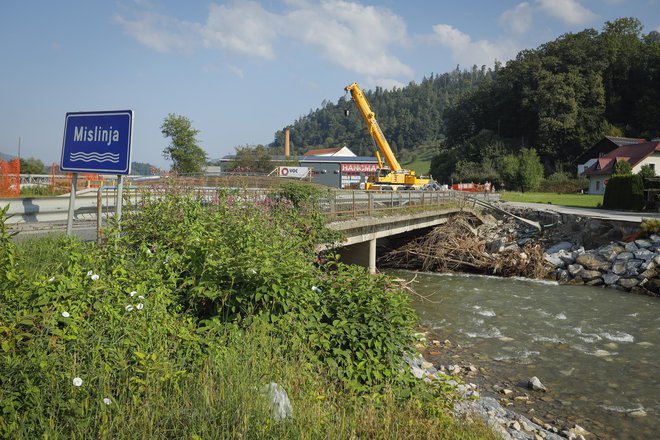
(372, 256)
(362, 254)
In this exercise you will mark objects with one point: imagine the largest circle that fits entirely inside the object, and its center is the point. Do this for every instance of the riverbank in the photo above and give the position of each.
(569, 249)
(502, 247)
(593, 348)
(513, 409)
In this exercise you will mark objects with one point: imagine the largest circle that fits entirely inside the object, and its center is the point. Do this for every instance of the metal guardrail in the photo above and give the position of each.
(98, 205)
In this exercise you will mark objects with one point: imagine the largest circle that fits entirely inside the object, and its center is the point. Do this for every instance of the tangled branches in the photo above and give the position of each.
(466, 244)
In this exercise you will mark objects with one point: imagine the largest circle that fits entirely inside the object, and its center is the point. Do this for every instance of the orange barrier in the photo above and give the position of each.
(470, 187)
(10, 178)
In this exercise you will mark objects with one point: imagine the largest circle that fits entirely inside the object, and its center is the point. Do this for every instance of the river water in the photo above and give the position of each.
(596, 350)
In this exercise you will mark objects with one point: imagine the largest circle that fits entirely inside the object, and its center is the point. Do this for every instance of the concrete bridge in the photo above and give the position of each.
(361, 234)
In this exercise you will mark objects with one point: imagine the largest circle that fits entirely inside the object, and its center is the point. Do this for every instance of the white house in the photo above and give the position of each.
(638, 155)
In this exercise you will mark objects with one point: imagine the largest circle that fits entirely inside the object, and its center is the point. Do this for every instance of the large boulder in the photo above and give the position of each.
(610, 251)
(563, 276)
(562, 246)
(610, 278)
(628, 283)
(575, 269)
(648, 265)
(631, 247)
(632, 267)
(535, 384)
(588, 275)
(619, 267)
(644, 254)
(625, 256)
(593, 261)
(554, 260)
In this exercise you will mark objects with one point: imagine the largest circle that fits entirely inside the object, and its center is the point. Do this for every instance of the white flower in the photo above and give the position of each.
(51, 279)
(133, 293)
(95, 277)
(140, 297)
(107, 401)
(89, 273)
(65, 314)
(140, 306)
(77, 382)
(316, 289)
(129, 308)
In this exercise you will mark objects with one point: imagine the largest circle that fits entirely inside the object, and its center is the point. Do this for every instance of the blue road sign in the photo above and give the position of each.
(98, 142)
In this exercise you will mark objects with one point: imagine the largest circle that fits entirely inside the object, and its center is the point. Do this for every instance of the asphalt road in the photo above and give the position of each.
(625, 216)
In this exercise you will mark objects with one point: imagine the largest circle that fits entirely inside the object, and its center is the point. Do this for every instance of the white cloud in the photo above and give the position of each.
(467, 52)
(356, 37)
(385, 83)
(237, 71)
(569, 11)
(517, 20)
(245, 27)
(159, 32)
(351, 35)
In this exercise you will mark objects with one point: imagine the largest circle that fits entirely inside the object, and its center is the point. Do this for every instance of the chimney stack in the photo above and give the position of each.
(287, 151)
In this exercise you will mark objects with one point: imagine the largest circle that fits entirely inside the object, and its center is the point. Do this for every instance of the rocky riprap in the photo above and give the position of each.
(509, 424)
(631, 267)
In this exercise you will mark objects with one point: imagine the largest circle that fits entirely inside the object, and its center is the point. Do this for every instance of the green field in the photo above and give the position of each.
(580, 200)
(421, 163)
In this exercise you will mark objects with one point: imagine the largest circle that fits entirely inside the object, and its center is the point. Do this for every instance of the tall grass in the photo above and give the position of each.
(173, 330)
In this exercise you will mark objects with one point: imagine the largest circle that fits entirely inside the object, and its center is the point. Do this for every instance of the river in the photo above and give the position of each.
(596, 350)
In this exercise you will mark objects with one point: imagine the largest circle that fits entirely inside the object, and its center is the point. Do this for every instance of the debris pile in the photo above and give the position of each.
(473, 243)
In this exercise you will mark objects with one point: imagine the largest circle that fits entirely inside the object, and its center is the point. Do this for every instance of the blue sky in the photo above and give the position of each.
(241, 70)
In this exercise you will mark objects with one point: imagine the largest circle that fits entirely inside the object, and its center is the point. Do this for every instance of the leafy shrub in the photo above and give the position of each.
(650, 226)
(168, 328)
(300, 194)
(563, 183)
(624, 192)
(240, 261)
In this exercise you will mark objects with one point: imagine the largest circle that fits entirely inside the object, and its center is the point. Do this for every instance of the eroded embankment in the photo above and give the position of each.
(569, 249)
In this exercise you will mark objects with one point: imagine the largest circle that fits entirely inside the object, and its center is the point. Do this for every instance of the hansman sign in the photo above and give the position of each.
(98, 142)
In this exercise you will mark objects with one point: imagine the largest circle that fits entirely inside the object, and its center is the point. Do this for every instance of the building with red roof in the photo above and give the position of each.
(636, 154)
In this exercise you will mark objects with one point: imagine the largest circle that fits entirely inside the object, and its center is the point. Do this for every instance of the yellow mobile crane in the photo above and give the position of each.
(392, 177)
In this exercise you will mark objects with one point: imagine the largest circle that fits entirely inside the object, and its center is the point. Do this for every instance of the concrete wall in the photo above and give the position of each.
(326, 173)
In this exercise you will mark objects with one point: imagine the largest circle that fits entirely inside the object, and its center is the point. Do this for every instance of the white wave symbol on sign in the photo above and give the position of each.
(94, 157)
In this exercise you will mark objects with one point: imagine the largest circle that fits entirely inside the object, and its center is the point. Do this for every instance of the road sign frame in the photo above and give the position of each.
(93, 148)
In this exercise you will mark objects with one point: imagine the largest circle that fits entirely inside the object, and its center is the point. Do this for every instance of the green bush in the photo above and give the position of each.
(624, 192)
(563, 183)
(650, 226)
(171, 328)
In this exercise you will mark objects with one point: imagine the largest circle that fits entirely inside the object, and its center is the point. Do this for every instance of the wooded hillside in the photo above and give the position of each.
(558, 99)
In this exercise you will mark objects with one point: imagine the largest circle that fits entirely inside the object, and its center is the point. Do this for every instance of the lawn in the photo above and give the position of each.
(580, 200)
(421, 161)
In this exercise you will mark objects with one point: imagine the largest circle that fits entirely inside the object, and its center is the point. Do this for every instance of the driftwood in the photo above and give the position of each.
(461, 245)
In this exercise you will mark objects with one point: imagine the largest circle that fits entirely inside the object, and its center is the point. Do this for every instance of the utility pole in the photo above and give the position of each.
(19, 147)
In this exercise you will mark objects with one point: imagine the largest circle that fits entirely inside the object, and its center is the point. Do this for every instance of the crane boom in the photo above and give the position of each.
(372, 125)
(394, 177)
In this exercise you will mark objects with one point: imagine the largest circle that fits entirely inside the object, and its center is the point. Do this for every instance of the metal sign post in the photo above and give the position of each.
(120, 197)
(72, 204)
